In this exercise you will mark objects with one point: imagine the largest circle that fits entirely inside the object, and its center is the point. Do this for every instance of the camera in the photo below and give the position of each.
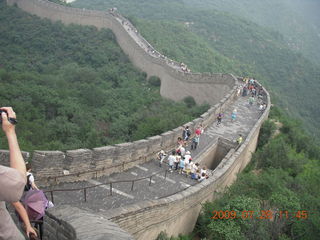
(11, 120)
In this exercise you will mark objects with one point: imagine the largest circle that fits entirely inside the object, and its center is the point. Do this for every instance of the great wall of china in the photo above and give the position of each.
(144, 220)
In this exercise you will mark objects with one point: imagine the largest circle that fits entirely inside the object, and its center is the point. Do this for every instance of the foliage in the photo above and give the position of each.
(73, 87)
(189, 101)
(154, 81)
(163, 236)
(266, 131)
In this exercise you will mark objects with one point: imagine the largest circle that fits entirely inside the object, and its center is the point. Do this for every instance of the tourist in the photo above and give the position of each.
(24, 217)
(195, 142)
(186, 133)
(161, 156)
(177, 161)
(244, 91)
(194, 169)
(181, 165)
(180, 141)
(219, 119)
(171, 160)
(203, 170)
(187, 157)
(234, 115)
(240, 139)
(251, 100)
(13, 178)
(202, 177)
(30, 179)
(198, 131)
(188, 165)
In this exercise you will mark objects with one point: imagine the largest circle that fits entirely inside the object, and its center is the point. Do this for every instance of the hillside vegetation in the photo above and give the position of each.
(73, 87)
(297, 20)
(197, 36)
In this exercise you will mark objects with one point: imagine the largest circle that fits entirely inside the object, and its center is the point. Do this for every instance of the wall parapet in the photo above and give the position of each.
(53, 167)
(140, 221)
(71, 223)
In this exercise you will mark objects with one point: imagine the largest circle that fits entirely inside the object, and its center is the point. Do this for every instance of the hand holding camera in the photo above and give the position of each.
(12, 120)
(8, 119)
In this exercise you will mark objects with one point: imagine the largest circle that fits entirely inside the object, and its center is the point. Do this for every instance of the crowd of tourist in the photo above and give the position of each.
(180, 159)
(255, 92)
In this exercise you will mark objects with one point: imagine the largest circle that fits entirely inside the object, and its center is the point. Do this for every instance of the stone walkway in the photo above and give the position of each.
(100, 199)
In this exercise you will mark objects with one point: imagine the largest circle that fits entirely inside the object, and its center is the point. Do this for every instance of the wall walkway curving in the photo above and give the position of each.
(177, 213)
(215, 89)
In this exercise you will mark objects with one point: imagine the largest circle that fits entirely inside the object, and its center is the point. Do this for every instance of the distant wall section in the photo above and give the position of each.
(175, 84)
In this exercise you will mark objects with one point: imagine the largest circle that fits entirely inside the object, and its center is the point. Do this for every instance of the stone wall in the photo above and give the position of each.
(52, 167)
(71, 223)
(178, 213)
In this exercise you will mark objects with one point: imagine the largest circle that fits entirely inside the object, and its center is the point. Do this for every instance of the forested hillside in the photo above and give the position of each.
(73, 87)
(248, 49)
(297, 20)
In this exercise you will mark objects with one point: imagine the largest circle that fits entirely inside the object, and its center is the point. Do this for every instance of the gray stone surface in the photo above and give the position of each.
(89, 225)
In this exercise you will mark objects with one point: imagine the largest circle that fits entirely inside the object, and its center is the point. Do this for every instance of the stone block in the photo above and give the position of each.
(79, 160)
(103, 156)
(177, 133)
(154, 144)
(123, 152)
(5, 157)
(139, 149)
(168, 140)
(197, 122)
(50, 163)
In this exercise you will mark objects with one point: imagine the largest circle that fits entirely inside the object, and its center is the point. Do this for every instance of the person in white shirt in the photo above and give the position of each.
(202, 177)
(194, 170)
(171, 159)
(30, 179)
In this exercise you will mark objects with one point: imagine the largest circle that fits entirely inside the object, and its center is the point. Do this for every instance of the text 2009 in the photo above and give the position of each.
(263, 214)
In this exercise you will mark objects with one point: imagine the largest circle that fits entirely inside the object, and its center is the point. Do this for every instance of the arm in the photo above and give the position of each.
(34, 186)
(16, 159)
(24, 216)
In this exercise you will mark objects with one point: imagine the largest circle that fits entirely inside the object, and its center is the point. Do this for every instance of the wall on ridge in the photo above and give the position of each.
(178, 213)
(80, 164)
(176, 85)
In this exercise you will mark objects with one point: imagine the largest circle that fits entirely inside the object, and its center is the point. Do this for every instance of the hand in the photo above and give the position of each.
(6, 125)
(29, 230)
